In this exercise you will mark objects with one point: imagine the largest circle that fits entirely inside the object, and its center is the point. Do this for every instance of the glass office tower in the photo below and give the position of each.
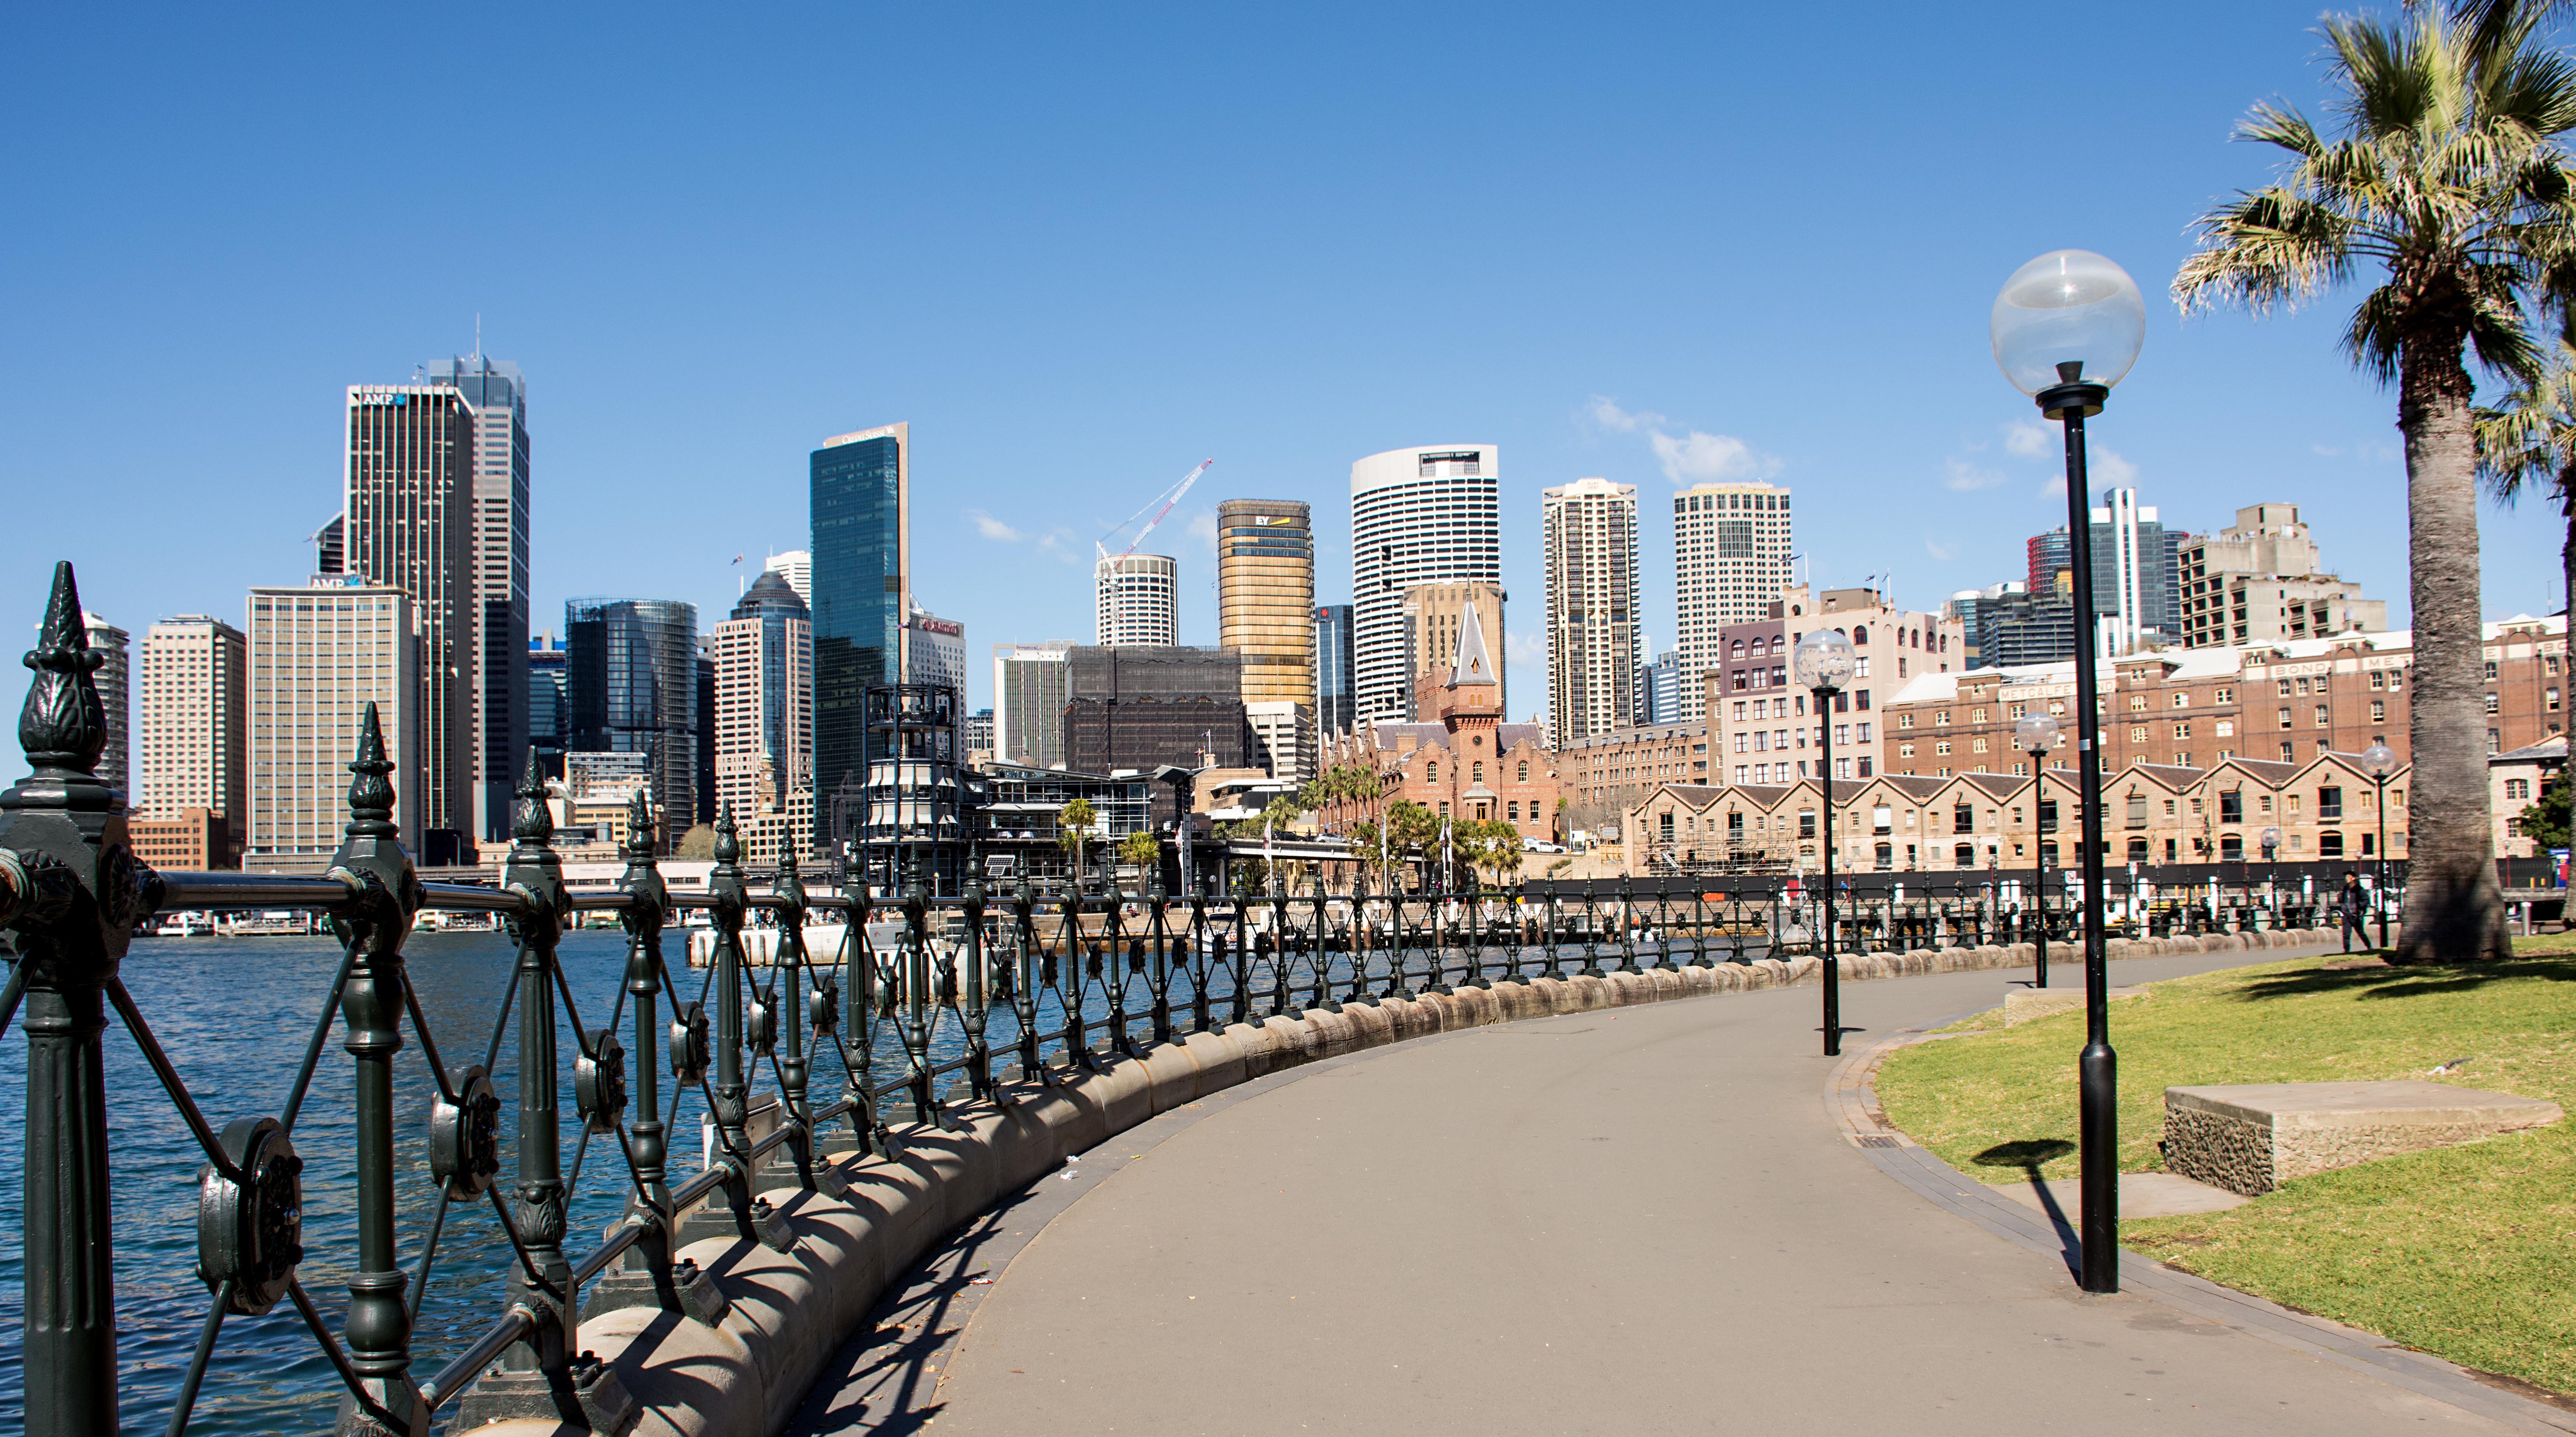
(1334, 695)
(631, 681)
(861, 487)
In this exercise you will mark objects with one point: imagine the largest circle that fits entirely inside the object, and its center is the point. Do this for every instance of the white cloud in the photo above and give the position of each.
(1702, 458)
(2054, 488)
(1606, 412)
(1523, 648)
(1965, 477)
(1059, 542)
(2026, 439)
(1696, 457)
(1938, 550)
(994, 529)
(2104, 465)
(1203, 529)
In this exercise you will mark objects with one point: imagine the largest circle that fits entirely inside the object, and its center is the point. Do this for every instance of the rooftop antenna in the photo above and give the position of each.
(478, 334)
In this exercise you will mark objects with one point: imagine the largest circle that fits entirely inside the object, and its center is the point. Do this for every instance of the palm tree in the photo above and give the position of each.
(1072, 827)
(2447, 174)
(2532, 440)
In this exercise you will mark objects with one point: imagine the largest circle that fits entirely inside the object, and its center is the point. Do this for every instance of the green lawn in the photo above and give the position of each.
(2469, 1252)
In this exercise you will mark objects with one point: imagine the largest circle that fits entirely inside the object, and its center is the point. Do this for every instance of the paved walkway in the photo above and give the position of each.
(1642, 1220)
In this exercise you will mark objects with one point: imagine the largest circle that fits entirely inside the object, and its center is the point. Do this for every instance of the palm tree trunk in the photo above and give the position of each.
(2454, 911)
(2567, 551)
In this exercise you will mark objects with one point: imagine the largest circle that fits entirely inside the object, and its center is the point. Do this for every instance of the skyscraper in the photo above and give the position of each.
(764, 705)
(861, 496)
(317, 657)
(938, 653)
(631, 680)
(1135, 599)
(410, 511)
(1265, 597)
(115, 694)
(1731, 549)
(2136, 577)
(331, 546)
(195, 718)
(1591, 536)
(1029, 695)
(1334, 696)
(798, 568)
(497, 395)
(549, 703)
(1418, 516)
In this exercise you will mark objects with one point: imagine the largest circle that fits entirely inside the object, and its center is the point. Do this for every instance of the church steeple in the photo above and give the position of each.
(1474, 665)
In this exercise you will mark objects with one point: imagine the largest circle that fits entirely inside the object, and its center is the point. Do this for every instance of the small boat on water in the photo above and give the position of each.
(274, 922)
(194, 923)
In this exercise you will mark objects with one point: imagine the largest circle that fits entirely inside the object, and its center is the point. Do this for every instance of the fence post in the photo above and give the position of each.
(977, 980)
(372, 861)
(74, 890)
(645, 1276)
(538, 1377)
(731, 1096)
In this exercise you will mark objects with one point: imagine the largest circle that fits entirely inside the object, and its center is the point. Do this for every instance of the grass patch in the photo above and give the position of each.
(2469, 1252)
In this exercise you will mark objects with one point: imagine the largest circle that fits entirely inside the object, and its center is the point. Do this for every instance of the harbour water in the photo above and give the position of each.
(235, 1015)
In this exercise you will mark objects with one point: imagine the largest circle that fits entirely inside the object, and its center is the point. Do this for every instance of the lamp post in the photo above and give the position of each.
(2271, 872)
(1823, 664)
(2379, 761)
(2038, 734)
(2065, 328)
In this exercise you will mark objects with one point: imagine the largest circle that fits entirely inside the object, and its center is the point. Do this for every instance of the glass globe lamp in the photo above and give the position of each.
(2037, 733)
(1823, 661)
(2069, 307)
(2379, 760)
(2271, 841)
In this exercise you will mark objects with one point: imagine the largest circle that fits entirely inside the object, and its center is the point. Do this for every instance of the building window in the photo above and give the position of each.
(2329, 845)
(2286, 721)
(1477, 772)
(2137, 703)
(2323, 716)
(1524, 778)
(2517, 788)
(1431, 772)
(1513, 811)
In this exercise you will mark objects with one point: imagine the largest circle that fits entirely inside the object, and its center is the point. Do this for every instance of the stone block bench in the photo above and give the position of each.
(2251, 1137)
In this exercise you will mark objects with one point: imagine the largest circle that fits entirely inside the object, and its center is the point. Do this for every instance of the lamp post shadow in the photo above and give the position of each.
(2030, 1155)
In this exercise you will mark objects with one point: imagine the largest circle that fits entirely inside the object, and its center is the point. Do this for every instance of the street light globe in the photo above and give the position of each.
(2271, 840)
(2069, 306)
(2379, 760)
(1823, 661)
(2037, 734)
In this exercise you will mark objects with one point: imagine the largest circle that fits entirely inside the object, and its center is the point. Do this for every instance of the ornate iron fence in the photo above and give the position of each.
(1012, 988)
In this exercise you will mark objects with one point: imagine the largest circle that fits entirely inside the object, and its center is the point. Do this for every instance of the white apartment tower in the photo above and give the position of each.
(1592, 641)
(1138, 600)
(115, 695)
(1030, 686)
(797, 567)
(1431, 514)
(764, 719)
(318, 657)
(194, 715)
(1731, 547)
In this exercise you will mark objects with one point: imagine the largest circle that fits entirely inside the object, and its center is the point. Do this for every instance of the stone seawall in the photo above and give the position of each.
(790, 1311)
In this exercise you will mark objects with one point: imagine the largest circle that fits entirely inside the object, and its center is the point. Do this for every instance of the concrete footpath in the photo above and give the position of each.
(1648, 1219)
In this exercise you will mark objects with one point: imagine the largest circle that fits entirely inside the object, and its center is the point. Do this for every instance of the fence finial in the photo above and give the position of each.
(639, 829)
(63, 726)
(371, 795)
(535, 820)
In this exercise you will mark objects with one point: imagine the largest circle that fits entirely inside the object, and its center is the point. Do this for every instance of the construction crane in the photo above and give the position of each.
(1168, 498)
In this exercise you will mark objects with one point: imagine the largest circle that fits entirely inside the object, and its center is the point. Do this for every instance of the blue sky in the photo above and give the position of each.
(1081, 248)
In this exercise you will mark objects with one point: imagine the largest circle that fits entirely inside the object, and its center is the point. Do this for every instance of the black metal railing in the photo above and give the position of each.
(918, 1009)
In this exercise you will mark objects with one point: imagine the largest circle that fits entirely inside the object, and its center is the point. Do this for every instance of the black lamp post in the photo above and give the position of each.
(1823, 664)
(2065, 328)
(2038, 734)
(2379, 761)
(2271, 876)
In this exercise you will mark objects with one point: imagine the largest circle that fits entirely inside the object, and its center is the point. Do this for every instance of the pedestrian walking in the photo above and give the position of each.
(2352, 905)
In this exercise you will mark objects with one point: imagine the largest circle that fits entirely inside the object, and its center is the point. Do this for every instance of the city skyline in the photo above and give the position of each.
(1677, 365)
